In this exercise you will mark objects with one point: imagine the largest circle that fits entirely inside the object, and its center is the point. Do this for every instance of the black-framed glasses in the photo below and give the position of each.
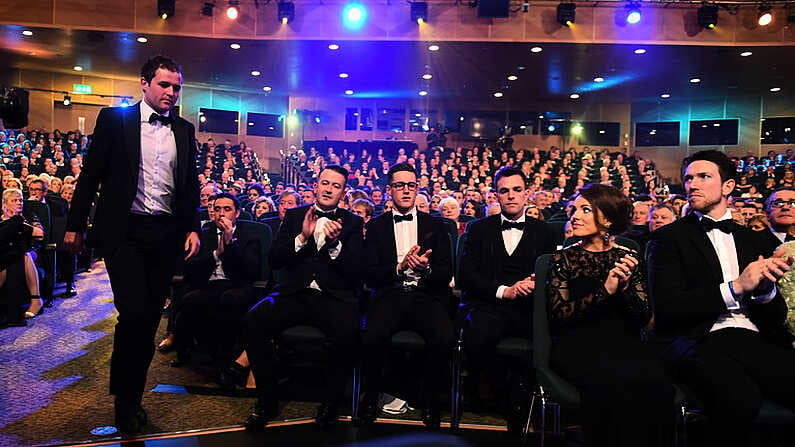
(779, 203)
(400, 185)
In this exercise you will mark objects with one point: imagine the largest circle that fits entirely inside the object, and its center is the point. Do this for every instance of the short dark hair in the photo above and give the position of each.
(338, 169)
(400, 167)
(256, 186)
(226, 195)
(663, 206)
(509, 171)
(612, 203)
(726, 167)
(150, 67)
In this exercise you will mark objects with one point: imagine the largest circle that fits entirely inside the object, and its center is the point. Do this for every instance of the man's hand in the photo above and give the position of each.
(191, 244)
(419, 263)
(227, 230)
(308, 226)
(520, 288)
(332, 230)
(404, 264)
(72, 241)
(761, 274)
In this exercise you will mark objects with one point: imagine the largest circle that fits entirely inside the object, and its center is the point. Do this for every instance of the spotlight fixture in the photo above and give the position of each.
(419, 12)
(207, 9)
(233, 10)
(765, 17)
(286, 12)
(165, 8)
(354, 15)
(125, 102)
(67, 100)
(566, 13)
(633, 13)
(708, 16)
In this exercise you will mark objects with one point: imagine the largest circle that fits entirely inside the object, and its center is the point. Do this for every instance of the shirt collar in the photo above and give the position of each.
(147, 111)
(322, 211)
(413, 212)
(522, 218)
(726, 215)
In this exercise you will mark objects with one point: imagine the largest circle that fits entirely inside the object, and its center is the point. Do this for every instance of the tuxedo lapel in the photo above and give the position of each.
(184, 145)
(391, 239)
(131, 131)
(702, 243)
(746, 252)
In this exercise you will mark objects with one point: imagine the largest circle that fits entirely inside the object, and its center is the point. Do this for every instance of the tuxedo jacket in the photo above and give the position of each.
(295, 271)
(240, 259)
(382, 255)
(111, 167)
(685, 275)
(484, 255)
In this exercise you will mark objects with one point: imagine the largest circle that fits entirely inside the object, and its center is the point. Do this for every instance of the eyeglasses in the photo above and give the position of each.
(779, 203)
(400, 185)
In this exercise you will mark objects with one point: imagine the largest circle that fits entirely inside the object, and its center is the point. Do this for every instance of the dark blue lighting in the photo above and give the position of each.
(354, 15)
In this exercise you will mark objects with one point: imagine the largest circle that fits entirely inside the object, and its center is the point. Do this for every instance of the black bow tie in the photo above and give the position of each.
(330, 215)
(508, 224)
(166, 120)
(406, 218)
(725, 225)
(789, 238)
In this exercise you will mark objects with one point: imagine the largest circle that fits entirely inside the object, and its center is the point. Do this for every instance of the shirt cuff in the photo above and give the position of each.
(298, 244)
(728, 298)
(500, 291)
(766, 297)
(215, 255)
(335, 251)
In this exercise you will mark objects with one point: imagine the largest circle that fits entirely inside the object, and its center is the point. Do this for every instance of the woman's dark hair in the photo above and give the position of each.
(613, 205)
(476, 205)
(257, 187)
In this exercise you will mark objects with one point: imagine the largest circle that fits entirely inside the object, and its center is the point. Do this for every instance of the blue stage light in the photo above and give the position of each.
(354, 15)
(552, 128)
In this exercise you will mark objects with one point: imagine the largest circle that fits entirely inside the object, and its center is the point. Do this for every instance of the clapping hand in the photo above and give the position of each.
(618, 277)
(415, 261)
(521, 288)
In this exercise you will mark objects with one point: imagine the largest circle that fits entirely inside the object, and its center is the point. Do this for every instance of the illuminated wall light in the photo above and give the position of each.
(708, 16)
(267, 88)
(343, 75)
(27, 32)
(746, 53)
(419, 12)
(576, 129)
(498, 94)
(165, 8)
(433, 47)
(775, 89)
(348, 92)
(427, 76)
(574, 96)
(78, 68)
(566, 13)
(765, 16)
(695, 80)
(599, 79)
(234, 46)
(633, 14)
(255, 73)
(536, 50)
(285, 12)
(665, 96)
(333, 47)
(67, 100)
(142, 39)
(640, 51)
(513, 77)
(292, 120)
(233, 10)
(423, 93)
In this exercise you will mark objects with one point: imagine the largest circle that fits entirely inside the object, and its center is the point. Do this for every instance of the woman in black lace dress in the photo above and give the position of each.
(598, 306)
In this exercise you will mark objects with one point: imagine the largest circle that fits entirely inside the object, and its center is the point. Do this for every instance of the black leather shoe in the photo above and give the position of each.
(261, 414)
(367, 414)
(233, 377)
(69, 292)
(129, 416)
(431, 418)
(326, 415)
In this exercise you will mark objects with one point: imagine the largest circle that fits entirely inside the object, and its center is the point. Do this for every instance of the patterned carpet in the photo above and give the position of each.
(54, 379)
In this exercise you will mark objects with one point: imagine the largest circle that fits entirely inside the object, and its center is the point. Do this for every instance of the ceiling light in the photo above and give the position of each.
(574, 96)
(423, 93)
(233, 10)
(285, 12)
(267, 88)
(640, 51)
(765, 17)
(333, 47)
(695, 80)
(427, 76)
(536, 50)
(78, 68)
(775, 89)
(348, 92)
(513, 77)
(419, 12)
(27, 32)
(354, 15)
(498, 94)
(142, 39)
(746, 53)
(255, 73)
(67, 100)
(521, 68)
(708, 16)
(599, 79)
(165, 8)
(566, 13)
(433, 47)
(343, 75)
(234, 46)
(633, 13)
(665, 96)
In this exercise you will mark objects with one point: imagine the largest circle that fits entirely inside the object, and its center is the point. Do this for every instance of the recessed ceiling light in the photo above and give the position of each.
(536, 50)
(78, 68)
(433, 47)
(513, 77)
(142, 39)
(574, 96)
(348, 92)
(423, 93)
(695, 80)
(333, 46)
(255, 73)
(599, 79)
(427, 76)
(746, 53)
(775, 89)
(665, 96)
(234, 46)
(343, 75)
(267, 88)
(521, 68)
(640, 51)
(498, 94)
(27, 32)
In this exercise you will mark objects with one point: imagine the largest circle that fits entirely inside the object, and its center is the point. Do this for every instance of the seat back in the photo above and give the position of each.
(541, 338)
(459, 251)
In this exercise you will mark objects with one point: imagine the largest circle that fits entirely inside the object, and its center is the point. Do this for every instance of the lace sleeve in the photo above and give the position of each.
(570, 294)
(636, 298)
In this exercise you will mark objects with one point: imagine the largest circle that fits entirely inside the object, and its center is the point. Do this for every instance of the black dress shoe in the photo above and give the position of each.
(69, 292)
(233, 377)
(129, 416)
(431, 418)
(262, 413)
(326, 415)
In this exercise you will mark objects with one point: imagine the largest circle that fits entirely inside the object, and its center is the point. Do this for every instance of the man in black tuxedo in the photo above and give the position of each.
(147, 213)
(317, 254)
(409, 270)
(221, 277)
(497, 275)
(716, 303)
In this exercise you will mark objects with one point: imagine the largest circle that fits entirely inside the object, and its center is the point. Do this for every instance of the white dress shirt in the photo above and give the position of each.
(510, 238)
(320, 239)
(736, 315)
(405, 238)
(157, 166)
